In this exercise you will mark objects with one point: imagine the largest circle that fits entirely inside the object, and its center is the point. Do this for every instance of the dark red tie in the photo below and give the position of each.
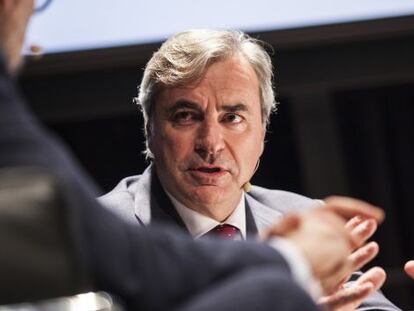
(225, 232)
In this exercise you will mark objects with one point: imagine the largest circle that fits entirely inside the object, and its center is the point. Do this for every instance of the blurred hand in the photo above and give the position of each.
(328, 242)
(322, 238)
(341, 298)
(349, 298)
(409, 268)
(349, 207)
(361, 230)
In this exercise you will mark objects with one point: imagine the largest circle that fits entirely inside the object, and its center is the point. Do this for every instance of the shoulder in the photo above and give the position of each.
(283, 201)
(123, 192)
(268, 206)
(130, 199)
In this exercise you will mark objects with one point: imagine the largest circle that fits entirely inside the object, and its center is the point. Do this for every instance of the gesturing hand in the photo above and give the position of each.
(335, 248)
(409, 268)
(327, 242)
(349, 298)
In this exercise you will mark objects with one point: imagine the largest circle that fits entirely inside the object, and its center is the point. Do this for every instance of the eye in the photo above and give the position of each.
(232, 118)
(184, 117)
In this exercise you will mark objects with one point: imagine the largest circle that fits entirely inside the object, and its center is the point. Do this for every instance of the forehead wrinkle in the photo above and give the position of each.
(215, 87)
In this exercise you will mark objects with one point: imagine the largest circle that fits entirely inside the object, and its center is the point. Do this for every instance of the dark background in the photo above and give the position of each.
(345, 122)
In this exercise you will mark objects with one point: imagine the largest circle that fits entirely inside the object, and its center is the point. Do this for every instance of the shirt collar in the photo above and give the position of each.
(199, 224)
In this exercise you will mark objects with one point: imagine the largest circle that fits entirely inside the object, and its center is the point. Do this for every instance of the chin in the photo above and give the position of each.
(209, 195)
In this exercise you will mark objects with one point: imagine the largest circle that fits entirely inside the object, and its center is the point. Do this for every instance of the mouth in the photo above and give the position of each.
(208, 172)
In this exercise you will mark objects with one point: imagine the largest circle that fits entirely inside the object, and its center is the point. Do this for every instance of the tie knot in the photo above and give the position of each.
(225, 232)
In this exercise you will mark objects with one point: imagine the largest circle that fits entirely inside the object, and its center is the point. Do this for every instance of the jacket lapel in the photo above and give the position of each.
(251, 228)
(151, 203)
(142, 197)
(262, 215)
(162, 209)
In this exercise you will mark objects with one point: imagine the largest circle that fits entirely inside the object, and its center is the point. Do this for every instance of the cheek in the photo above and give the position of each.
(171, 145)
(247, 151)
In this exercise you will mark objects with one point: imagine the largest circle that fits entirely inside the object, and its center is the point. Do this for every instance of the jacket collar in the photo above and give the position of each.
(263, 215)
(142, 198)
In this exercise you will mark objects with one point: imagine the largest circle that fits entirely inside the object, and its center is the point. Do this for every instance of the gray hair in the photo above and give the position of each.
(185, 57)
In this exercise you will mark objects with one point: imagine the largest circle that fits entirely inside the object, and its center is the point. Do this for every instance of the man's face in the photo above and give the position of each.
(207, 138)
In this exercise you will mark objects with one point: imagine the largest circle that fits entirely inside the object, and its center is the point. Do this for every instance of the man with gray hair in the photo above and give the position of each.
(206, 97)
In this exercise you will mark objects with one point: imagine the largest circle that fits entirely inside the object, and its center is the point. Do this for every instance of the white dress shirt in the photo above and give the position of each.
(199, 224)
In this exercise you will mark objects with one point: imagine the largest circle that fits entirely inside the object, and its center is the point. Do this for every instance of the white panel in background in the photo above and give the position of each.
(69, 25)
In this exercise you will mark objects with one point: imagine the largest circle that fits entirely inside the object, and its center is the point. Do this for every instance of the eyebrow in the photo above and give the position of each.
(235, 107)
(183, 103)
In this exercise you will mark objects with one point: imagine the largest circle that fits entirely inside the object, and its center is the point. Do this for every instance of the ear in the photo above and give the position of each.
(262, 141)
(149, 135)
(148, 130)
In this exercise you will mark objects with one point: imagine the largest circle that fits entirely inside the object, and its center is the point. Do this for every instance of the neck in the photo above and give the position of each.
(218, 211)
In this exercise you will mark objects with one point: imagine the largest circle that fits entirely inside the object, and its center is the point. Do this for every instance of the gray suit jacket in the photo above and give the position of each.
(141, 200)
(135, 198)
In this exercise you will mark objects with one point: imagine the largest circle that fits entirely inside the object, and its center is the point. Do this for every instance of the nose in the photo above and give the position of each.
(210, 141)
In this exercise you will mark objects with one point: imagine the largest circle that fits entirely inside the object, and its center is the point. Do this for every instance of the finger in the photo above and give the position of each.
(353, 222)
(336, 278)
(363, 255)
(409, 268)
(376, 276)
(355, 261)
(364, 230)
(283, 227)
(347, 298)
(350, 207)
